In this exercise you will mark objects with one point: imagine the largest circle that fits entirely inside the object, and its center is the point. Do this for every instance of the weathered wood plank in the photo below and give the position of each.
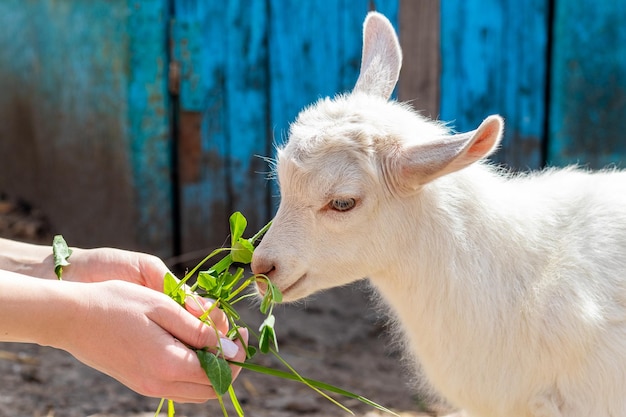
(587, 123)
(494, 61)
(247, 85)
(222, 49)
(148, 116)
(421, 67)
(315, 51)
(199, 38)
(85, 126)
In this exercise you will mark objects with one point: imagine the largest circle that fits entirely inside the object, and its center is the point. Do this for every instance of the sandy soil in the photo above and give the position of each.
(335, 337)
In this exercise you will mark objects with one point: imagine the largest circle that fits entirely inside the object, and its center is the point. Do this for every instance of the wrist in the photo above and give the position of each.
(34, 310)
(64, 308)
(26, 259)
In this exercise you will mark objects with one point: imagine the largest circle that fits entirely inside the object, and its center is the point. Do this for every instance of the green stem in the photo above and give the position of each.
(158, 410)
(202, 262)
(311, 382)
(260, 233)
(239, 289)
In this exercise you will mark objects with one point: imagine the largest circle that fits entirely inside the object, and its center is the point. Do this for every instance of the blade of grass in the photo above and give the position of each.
(301, 379)
(311, 382)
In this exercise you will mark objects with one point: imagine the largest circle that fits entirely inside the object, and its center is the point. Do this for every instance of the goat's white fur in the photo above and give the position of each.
(511, 290)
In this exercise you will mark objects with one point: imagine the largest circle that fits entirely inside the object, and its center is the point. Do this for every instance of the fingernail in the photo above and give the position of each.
(198, 304)
(229, 348)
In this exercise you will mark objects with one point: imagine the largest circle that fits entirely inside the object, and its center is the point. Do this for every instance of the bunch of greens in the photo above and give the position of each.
(226, 284)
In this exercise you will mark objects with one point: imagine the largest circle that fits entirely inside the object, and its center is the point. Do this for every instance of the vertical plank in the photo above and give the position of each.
(148, 120)
(199, 36)
(587, 122)
(247, 107)
(421, 67)
(315, 52)
(222, 50)
(248, 68)
(494, 61)
(84, 132)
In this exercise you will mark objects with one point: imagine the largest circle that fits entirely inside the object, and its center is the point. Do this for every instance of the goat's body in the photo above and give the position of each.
(511, 290)
(538, 320)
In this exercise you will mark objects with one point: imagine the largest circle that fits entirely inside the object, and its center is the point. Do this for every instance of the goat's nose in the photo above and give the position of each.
(262, 266)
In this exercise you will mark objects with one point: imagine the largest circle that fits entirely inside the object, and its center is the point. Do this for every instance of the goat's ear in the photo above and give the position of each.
(422, 163)
(382, 57)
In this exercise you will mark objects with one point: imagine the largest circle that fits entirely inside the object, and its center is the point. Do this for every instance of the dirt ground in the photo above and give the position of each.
(335, 337)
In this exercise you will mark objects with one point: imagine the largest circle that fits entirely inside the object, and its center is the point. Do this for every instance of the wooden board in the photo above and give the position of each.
(588, 94)
(85, 131)
(245, 74)
(315, 52)
(420, 27)
(494, 60)
(222, 52)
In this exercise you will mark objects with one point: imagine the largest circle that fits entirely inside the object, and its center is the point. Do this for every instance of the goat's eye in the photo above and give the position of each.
(342, 204)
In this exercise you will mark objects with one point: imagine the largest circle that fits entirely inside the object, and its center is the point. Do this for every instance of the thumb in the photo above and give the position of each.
(185, 327)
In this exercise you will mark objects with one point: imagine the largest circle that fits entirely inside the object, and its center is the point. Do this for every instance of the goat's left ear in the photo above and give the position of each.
(381, 59)
(422, 163)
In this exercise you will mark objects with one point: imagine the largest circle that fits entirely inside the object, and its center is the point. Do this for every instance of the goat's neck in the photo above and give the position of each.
(460, 266)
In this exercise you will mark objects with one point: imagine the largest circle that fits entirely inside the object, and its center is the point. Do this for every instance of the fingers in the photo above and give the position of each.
(197, 306)
(191, 331)
(152, 270)
(241, 355)
(191, 385)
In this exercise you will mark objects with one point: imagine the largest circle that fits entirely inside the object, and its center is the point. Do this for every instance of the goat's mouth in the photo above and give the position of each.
(262, 288)
(294, 286)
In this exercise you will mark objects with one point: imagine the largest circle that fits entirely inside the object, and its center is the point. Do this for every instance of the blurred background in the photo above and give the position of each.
(144, 124)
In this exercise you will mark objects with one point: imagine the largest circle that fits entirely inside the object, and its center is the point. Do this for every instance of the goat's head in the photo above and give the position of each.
(347, 160)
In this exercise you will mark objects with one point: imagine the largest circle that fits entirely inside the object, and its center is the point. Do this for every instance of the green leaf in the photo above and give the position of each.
(207, 280)
(217, 370)
(266, 302)
(61, 253)
(172, 288)
(232, 279)
(242, 251)
(222, 265)
(238, 225)
(277, 296)
(272, 296)
(267, 339)
(250, 352)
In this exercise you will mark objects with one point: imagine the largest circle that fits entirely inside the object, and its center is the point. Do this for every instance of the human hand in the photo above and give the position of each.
(139, 337)
(103, 264)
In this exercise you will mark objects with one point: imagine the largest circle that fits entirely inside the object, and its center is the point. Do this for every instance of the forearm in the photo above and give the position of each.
(86, 265)
(34, 310)
(26, 259)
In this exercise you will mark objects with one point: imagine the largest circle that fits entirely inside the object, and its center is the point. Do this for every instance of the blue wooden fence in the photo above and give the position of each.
(246, 69)
(142, 124)
(85, 132)
(494, 57)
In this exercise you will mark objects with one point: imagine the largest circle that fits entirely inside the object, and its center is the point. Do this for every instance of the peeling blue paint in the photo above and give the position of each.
(494, 61)
(587, 122)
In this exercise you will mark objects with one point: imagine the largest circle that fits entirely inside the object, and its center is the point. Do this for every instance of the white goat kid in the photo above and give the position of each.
(511, 290)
